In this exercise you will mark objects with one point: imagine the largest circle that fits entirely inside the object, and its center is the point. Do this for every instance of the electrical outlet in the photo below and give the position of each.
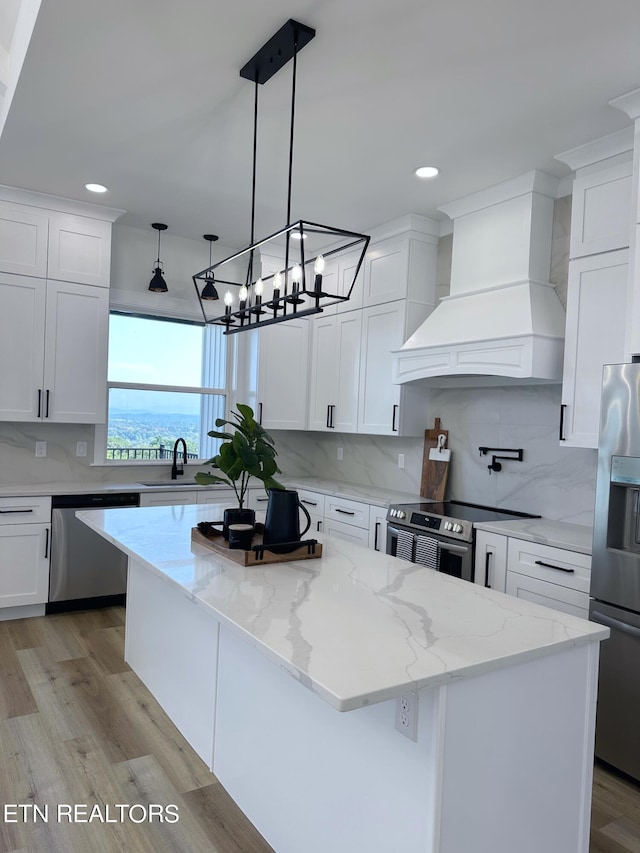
(41, 448)
(400, 460)
(407, 715)
(81, 448)
(340, 452)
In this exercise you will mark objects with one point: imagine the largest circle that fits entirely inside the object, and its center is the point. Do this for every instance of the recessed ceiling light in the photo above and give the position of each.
(295, 235)
(96, 188)
(427, 171)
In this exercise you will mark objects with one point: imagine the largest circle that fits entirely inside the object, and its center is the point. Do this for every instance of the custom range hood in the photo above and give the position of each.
(502, 322)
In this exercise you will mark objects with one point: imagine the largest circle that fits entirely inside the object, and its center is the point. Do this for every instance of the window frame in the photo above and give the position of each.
(101, 430)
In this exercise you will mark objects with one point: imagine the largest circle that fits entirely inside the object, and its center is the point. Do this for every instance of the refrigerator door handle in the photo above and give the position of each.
(610, 622)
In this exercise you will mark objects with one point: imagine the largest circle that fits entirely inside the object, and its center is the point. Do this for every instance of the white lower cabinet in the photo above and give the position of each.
(378, 528)
(348, 532)
(550, 576)
(176, 497)
(25, 534)
(553, 577)
(491, 560)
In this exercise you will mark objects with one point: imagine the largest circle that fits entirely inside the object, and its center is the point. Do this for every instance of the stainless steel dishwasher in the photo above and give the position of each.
(86, 571)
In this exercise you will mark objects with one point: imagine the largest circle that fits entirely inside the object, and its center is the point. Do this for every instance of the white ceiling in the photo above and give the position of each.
(146, 98)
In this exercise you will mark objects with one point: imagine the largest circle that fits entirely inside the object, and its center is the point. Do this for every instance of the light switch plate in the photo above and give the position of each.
(41, 448)
(340, 453)
(81, 448)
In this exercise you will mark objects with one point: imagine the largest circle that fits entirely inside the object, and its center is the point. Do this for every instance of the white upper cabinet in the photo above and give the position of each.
(283, 379)
(53, 351)
(596, 309)
(601, 210)
(386, 270)
(346, 271)
(22, 321)
(75, 365)
(334, 379)
(79, 249)
(23, 240)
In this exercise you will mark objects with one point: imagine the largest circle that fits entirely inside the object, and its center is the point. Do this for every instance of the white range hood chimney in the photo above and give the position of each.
(502, 322)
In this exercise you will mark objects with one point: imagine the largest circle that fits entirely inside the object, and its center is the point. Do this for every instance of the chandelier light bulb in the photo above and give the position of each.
(296, 274)
(228, 299)
(242, 295)
(318, 266)
(259, 287)
(277, 282)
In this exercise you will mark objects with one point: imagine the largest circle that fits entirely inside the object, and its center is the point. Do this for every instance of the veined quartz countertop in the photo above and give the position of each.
(368, 494)
(559, 534)
(355, 626)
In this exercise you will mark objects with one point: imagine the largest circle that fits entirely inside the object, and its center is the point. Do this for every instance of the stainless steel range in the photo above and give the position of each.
(440, 536)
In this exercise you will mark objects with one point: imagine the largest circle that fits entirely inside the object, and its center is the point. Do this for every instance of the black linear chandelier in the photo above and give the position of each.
(295, 284)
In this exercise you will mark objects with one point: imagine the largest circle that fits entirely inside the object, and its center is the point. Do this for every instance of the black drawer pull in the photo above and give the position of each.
(12, 511)
(310, 503)
(557, 568)
(261, 500)
(345, 511)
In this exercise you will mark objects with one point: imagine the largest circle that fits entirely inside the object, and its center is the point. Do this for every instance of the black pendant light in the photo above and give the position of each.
(157, 283)
(209, 292)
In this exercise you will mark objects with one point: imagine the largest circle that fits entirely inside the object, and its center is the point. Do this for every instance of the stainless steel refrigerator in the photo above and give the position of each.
(615, 572)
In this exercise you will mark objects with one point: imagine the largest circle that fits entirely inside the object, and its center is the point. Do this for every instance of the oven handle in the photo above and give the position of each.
(455, 549)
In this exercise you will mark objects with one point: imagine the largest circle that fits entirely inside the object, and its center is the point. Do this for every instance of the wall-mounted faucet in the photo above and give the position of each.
(175, 470)
(495, 465)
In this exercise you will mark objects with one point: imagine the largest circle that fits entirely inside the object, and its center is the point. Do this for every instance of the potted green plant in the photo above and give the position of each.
(247, 451)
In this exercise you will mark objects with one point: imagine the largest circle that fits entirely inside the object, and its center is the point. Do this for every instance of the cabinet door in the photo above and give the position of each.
(324, 372)
(22, 321)
(346, 271)
(379, 398)
(601, 210)
(344, 417)
(24, 564)
(282, 375)
(378, 528)
(79, 249)
(386, 271)
(23, 240)
(218, 496)
(491, 560)
(596, 313)
(75, 372)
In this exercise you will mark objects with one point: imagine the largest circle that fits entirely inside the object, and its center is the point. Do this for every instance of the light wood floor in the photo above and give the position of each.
(78, 727)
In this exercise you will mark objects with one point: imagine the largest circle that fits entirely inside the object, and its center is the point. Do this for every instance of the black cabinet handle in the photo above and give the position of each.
(344, 511)
(310, 503)
(39, 402)
(394, 428)
(557, 568)
(561, 434)
(46, 411)
(262, 500)
(46, 544)
(318, 526)
(13, 511)
(328, 417)
(331, 423)
(487, 560)
(375, 536)
(259, 413)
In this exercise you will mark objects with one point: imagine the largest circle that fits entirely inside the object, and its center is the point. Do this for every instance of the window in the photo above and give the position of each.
(166, 380)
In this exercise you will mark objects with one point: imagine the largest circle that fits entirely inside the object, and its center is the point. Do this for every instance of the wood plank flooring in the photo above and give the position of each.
(78, 727)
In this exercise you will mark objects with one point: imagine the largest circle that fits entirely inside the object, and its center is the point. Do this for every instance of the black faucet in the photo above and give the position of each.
(174, 468)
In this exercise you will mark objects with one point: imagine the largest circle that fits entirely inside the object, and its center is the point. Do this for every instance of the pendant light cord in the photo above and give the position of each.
(293, 115)
(253, 180)
(158, 261)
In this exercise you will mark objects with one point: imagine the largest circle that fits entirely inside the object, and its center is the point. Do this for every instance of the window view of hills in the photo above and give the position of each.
(154, 432)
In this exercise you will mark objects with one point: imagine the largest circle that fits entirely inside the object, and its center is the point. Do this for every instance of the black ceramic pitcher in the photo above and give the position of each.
(282, 523)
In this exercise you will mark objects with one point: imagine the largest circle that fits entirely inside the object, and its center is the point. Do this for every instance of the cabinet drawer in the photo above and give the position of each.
(313, 502)
(554, 565)
(548, 594)
(168, 498)
(348, 532)
(25, 510)
(346, 511)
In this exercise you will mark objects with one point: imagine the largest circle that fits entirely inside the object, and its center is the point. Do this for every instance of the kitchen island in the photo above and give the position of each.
(467, 717)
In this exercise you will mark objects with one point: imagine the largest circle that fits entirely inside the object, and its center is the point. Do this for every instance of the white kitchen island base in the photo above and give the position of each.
(254, 668)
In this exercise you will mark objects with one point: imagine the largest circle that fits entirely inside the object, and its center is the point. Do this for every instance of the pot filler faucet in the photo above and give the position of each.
(174, 468)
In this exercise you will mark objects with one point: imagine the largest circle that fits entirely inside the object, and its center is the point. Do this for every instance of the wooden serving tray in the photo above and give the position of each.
(308, 550)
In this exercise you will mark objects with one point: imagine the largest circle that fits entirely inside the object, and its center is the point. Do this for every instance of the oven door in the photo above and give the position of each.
(454, 558)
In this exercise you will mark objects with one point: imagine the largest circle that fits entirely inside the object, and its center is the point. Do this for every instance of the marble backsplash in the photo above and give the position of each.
(554, 481)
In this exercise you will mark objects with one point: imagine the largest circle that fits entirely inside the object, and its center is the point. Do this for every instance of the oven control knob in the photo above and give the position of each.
(392, 513)
(402, 513)
(457, 528)
(447, 525)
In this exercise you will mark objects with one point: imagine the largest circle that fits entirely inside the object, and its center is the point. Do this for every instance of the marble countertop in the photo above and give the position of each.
(356, 626)
(368, 494)
(559, 534)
